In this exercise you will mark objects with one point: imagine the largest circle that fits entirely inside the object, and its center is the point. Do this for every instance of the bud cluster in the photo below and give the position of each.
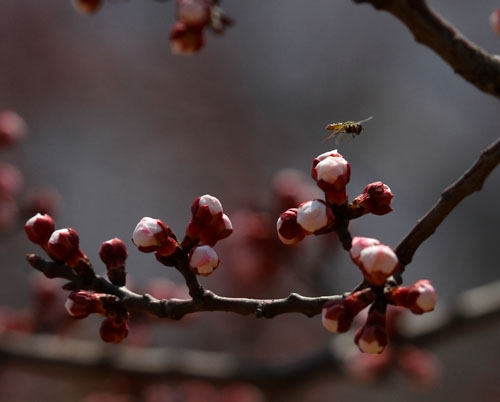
(193, 16)
(114, 328)
(332, 173)
(207, 226)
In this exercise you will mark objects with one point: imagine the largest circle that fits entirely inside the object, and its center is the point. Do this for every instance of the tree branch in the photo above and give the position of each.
(473, 63)
(470, 182)
(177, 308)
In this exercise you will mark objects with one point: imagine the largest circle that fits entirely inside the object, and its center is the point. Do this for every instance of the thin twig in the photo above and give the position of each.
(467, 59)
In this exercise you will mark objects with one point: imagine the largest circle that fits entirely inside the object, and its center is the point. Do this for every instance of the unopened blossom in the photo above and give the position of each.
(152, 235)
(63, 245)
(421, 297)
(314, 216)
(358, 244)
(11, 180)
(194, 12)
(372, 337)
(495, 21)
(87, 7)
(114, 253)
(82, 303)
(377, 263)
(113, 330)
(332, 173)
(289, 231)
(203, 260)
(39, 228)
(376, 199)
(185, 39)
(12, 128)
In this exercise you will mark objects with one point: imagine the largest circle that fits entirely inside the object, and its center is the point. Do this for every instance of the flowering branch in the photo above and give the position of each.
(475, 306)
(430, 29)
(471, 181)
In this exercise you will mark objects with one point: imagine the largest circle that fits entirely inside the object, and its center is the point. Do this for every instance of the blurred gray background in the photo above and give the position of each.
(124, 129)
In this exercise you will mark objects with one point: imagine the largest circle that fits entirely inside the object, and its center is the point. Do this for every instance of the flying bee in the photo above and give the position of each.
(346, 128)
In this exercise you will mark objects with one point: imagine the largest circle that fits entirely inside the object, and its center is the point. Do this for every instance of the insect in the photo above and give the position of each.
(346, 128)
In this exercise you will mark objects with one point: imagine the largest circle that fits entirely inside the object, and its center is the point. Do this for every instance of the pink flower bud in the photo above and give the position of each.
(332, 173)
(9, 211)
(203, 260)
(11, 180)
(372, 337)
(421, 297)
(376, 199)
(113, 330)
(153, 235)
(194, 12)
(495, 21)
(289, 231)
(360, 243)
(185, 39)
(87, 7)
(315, 216)
(82, 303)
(377, 263)
(39, 228)
(12, 128)
(205, 208)
(114, 253)
(420, 365)
(63, 245)
(336, 317)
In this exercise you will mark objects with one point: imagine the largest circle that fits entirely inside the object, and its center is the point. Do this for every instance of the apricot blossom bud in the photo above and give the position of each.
(63, 245)
(11, 180)
(114, 330)
(289, 231)
(185, 39)
(372, 337)
(152, 235)
(377, 263)
(376, 199)
(332, 173)
(203, 260)
(82, 303)
(495, 21)
(358, 244)
(87, 7)
(421, 297)
(314, 216)
(194, 12)
(336, 317)
(114, 253)
(12, 128)
(39, 228)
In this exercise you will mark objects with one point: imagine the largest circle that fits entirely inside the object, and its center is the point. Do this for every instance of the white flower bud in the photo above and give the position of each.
(203, 260)
(314, 215)
(145, 231)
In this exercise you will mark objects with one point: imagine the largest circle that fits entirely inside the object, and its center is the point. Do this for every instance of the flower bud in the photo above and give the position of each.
(358, 244)
(336, 317)
(376, 199)
(39, 228)
(495, 21)
(194, 12)
(153, 235)
(372, 337)
(114, 330)
(289, 231)
(377, 263)
(82, 303)
(332, 173)
(421, 297)
(185, 39)
(12, 128)
(11, 180)
(87, 7)
(63, 245)
(315, 216)
(203, 260)
(208, 224)
(420, 365)
(114, 253)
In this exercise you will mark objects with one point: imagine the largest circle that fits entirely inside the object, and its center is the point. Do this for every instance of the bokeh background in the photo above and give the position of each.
(124, 129)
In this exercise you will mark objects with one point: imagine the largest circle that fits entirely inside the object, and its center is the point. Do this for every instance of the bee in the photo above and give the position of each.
(351, 128)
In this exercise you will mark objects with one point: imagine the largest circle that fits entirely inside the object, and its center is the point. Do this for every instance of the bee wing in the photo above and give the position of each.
(364, 120)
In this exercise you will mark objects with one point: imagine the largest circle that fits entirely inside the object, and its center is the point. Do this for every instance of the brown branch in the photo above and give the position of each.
(474, 309)
(470, 182)
(466, 58)
(177, 308)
